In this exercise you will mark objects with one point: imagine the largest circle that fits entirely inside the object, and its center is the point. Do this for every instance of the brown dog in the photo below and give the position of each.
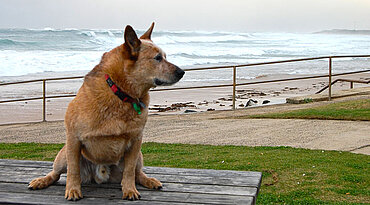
(105, 122)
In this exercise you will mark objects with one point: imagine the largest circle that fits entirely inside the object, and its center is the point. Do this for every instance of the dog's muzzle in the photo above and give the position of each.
(177, 75)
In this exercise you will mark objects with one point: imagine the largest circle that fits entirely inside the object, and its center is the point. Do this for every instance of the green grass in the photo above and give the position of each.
(349, 110)
(29, 151)
(295, 176)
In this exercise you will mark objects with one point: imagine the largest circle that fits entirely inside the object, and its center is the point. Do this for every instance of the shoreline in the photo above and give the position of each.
(167, 102)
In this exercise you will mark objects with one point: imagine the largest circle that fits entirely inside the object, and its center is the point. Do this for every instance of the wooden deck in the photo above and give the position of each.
(180, 186)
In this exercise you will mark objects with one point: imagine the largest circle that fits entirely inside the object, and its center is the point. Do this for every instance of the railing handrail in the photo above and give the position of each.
(200, 87)
(207, 68)
(261, 82)
(344, 80)
(42, 79)
(234, 85)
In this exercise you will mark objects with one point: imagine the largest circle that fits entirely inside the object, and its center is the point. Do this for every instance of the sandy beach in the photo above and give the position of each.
(164, 102)
(221, 128)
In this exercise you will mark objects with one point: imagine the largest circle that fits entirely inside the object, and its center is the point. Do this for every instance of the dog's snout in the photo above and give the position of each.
(179, 72)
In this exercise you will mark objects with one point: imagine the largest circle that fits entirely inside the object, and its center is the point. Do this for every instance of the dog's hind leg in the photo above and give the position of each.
(141, 178)
(59, 167)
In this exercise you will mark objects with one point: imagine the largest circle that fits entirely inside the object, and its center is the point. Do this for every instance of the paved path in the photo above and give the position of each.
(217, 128)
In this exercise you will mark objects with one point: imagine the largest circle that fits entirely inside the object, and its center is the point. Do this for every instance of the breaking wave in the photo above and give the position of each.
(49, 49)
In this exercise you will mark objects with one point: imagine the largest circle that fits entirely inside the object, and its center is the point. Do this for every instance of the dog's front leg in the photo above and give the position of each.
(73, 184)
(128, 178)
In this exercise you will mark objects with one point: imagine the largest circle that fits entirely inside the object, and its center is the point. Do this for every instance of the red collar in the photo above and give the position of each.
(136, 103)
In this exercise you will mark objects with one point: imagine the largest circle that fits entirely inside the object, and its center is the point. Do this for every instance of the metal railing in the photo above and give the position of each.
(345, 80)
(234, 84)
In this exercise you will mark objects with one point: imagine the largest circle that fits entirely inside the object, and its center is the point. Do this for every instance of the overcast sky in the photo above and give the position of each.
(206, 15)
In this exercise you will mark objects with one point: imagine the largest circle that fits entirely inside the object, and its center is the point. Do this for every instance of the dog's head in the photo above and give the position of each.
(150, 65)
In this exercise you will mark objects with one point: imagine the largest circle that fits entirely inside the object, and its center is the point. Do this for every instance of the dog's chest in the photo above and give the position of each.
(125, 117)
(105, 149)
(106, 138)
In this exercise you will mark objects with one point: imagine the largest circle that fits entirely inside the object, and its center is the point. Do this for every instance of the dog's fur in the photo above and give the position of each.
(104, 134)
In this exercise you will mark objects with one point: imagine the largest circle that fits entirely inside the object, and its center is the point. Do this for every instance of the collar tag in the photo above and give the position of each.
(136, 108)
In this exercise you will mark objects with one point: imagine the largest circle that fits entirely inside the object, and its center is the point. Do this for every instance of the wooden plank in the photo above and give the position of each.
(147, 195)
(200, 172)
(231, 181)
(174, 187)
(149, 170)
(31, 198)
(11, 162)
(26, 176)
(228, 181)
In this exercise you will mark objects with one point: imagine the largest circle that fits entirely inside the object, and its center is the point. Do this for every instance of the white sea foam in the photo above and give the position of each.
(16, 63)
(25, 51)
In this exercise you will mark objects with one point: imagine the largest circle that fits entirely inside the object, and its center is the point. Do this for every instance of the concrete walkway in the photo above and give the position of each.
(218, 128)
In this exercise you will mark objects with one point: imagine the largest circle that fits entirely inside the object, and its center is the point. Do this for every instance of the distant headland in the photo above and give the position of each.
(344, 31)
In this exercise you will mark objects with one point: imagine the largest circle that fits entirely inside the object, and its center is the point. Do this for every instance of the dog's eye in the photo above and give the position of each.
(158, 58)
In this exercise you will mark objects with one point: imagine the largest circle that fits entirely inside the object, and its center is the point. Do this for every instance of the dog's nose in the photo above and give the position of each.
(179, 72)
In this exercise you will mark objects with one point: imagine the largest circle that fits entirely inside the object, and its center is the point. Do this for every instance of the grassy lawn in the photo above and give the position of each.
(349, 110)
(290, 175)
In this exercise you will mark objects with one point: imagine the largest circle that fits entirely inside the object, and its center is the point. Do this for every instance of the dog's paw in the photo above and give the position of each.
(152, 183)
(130, 194)
(73, 193)
(38, 183)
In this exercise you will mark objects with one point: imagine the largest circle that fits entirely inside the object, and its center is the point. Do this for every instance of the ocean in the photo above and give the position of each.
(52, 52)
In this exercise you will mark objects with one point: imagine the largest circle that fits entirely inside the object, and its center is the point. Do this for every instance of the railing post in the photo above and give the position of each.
(330, 64)
(234, 86)
(44, 100)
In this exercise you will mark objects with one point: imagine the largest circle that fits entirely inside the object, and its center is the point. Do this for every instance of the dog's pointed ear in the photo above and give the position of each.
(148, 33)
(132, 42)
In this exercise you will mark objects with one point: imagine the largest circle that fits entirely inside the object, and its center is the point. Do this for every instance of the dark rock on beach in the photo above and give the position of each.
(266, 102)
(175, 106)
(257, 94)
(190, 111)
(251, 102)
(179, 105)
(224, 99)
